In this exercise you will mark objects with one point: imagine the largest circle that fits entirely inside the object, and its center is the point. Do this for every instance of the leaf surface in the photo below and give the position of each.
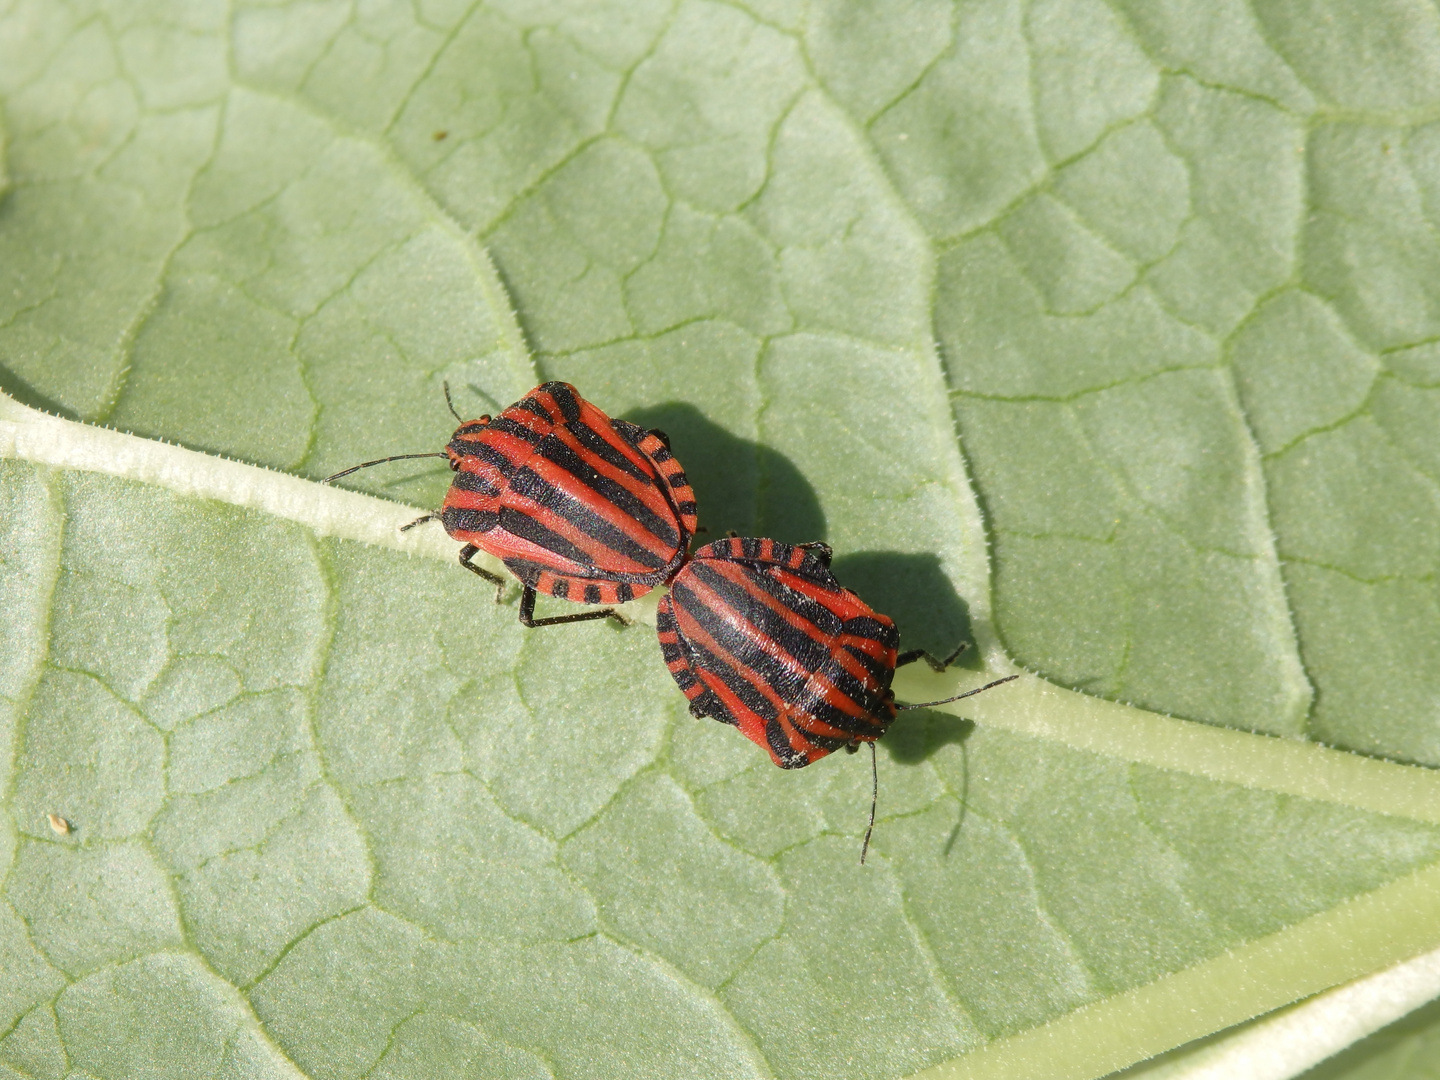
(1101, 335)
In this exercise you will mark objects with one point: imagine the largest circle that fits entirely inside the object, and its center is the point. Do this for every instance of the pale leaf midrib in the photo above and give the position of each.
(1030, 706)
(1367, 933)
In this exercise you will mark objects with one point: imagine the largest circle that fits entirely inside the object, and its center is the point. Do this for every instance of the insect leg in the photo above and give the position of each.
(820, 550)
(874, 798)
(527, 613)
(466, 554)
(935, 663)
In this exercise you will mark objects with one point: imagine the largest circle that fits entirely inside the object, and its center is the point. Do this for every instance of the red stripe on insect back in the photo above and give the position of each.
(800, 664)
(863, 658)
(729, 663)
(749, 705)
(746, 582)
(599, 479)
(592, 542)
(843, 603)
(591, 509)
(770, 649)
(680, 493)
(589, 512)
(565, 587)
(580, 501)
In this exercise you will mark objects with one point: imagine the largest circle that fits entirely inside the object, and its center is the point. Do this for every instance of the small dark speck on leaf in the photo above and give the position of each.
(440, 136)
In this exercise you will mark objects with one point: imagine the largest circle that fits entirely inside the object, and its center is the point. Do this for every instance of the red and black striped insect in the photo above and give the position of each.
(760, 635)
(575, 504)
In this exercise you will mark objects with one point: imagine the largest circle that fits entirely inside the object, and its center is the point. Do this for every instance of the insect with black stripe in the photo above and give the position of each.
(577, 505)
(760, 635)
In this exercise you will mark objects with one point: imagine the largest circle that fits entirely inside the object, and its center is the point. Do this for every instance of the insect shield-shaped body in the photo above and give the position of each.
(575, 504)
(760, 635)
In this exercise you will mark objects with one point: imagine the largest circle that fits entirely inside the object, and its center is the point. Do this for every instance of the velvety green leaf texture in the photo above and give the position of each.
(1106, 336)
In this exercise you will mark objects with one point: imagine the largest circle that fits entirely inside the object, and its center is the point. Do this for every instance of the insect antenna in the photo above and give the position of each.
(957, 697)
(377, 461)
(874, 798)
(875, 770)
(450, 404)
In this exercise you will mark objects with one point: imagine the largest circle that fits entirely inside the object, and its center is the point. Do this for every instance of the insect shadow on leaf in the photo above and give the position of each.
(914, 590)
(739, 484)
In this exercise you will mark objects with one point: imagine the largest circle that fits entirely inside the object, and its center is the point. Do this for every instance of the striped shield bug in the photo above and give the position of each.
(760, 635)
(575, 504)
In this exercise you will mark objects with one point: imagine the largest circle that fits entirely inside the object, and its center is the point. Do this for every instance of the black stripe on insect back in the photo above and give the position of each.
(605, 450)
(582, 519)
(518, 523)
(874, 629)
(879, 673)
(738, 685)
(812, 655)
(807, 651)
(612, 491)
(742, 687)
(462, 519)
(536, 406)
(564, 399)
(724, 625)
(785, 754)
(469, 481)
(518, 430)
(488, 454)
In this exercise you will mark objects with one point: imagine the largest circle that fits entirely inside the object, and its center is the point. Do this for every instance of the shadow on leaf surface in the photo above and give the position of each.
(739, 484)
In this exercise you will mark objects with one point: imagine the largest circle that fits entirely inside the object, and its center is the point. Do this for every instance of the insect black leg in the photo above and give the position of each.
(466, 554)
(820, 550)
(421, 520)
(874, 799)
(527, 613)
(934, 662)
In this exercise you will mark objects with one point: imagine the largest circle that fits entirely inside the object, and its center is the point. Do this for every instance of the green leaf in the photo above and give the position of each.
(1102, 336)
(1402, 1051)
